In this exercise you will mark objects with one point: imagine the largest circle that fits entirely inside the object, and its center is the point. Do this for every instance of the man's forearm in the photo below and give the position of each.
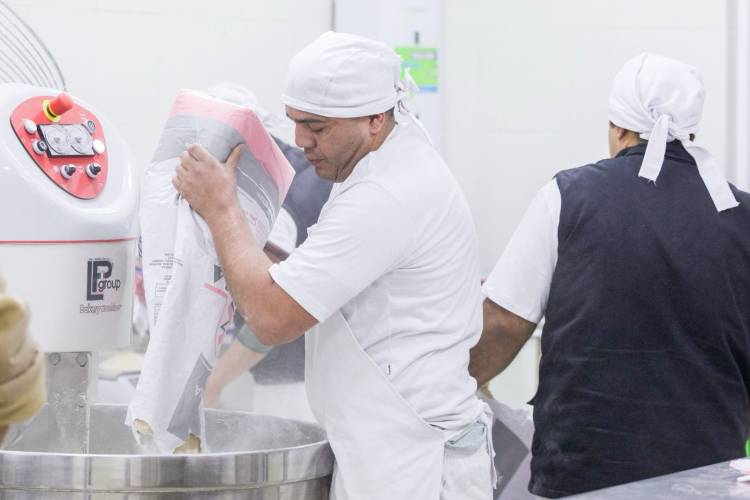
(272, 315)
(234, 362)
(491, 356)
(503, 336)
(245, 267)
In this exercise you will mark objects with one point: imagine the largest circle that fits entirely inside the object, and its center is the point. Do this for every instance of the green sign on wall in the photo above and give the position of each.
(422, 64)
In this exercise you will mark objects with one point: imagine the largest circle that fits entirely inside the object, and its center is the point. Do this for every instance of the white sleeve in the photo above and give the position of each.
(363, 234)
(521, 279)
(284, 232)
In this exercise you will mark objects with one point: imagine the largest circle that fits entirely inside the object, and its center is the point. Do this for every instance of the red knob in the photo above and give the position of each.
(60, 104)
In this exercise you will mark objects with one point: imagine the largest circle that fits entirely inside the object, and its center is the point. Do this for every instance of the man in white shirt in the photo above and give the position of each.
(640, 264)
(388, 281)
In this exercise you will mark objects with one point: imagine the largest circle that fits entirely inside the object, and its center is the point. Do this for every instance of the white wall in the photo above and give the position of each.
(525, 87)
(128, 59)
(738, 92)
(395, 22)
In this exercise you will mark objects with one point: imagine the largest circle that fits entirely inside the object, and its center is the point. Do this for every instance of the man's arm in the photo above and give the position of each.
(520, 280)
(503, 336)
(210, 188)
(237, 360)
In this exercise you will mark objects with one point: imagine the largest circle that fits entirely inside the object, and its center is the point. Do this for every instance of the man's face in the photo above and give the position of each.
(334, 146)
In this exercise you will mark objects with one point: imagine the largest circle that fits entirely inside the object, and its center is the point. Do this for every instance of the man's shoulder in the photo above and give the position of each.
(366, 195)
(412, 172)
(742, 196)
(592, 168)
(740, 213)
(599, 171)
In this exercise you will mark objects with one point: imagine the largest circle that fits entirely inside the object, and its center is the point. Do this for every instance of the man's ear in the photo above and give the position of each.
(377, 122)
(620, 132)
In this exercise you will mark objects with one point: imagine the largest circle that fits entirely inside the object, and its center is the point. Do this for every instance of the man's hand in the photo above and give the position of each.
(209, 186)
(503, 335)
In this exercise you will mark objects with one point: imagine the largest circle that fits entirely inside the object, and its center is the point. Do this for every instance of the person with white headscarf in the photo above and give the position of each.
(387, 281)
(640, 265)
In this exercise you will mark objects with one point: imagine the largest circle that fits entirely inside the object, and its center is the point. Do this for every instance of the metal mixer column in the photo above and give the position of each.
(71, 389)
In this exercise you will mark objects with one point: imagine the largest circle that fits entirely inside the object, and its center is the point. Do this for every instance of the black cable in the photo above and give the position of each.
(36, 44)
(40, 59)
(33, 77)
(9, 65)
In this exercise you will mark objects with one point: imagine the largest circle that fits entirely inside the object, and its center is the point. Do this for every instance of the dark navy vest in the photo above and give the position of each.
(645, 364)
(307, 195)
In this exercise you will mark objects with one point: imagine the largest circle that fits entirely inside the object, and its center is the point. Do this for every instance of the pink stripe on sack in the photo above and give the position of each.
(216, 290)
(248, 125)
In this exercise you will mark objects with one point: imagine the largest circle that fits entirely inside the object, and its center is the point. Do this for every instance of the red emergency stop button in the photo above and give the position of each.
(57, 106)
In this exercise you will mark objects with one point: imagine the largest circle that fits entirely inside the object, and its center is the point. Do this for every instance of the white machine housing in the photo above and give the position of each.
(71, 259)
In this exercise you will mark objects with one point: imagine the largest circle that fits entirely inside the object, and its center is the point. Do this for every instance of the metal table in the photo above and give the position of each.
(710, 482)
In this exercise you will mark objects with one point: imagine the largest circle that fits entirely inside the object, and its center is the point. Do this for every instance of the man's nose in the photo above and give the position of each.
(303, 138)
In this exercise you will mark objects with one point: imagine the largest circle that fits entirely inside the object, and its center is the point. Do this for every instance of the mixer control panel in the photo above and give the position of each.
(66, 141)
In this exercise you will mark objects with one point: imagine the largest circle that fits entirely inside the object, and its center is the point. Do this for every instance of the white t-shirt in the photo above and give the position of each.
(395, 250)
(521, 279)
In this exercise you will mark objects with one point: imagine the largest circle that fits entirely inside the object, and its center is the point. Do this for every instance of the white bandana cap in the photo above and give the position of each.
(340, 75)
(662, 100)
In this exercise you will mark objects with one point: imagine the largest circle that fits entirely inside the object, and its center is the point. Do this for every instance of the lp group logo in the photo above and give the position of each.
(98, 274)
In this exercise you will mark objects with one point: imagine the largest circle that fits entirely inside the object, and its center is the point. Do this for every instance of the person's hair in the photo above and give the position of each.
(691, 136)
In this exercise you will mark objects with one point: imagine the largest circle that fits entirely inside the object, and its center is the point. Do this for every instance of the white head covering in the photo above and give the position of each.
(340, 75)
(662, 100)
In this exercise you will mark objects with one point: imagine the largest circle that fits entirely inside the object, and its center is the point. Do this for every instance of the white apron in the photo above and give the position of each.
(383, 449)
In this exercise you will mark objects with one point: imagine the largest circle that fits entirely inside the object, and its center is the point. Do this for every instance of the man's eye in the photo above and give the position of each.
(316, 130)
